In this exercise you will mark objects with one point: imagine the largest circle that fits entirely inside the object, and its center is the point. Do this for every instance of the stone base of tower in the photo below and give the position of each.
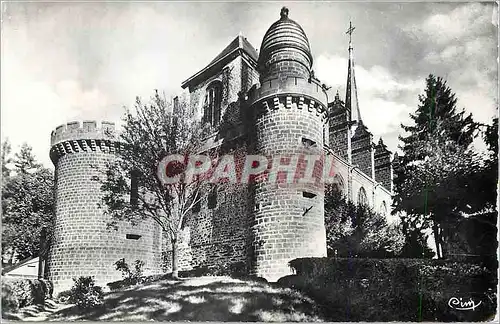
(98, 262)
(277, 267)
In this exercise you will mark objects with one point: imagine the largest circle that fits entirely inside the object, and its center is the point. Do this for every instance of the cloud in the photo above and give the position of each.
(463, 21)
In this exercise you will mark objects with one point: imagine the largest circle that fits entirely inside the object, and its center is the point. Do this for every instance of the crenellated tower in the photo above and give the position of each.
(290, 110)
(81, 244)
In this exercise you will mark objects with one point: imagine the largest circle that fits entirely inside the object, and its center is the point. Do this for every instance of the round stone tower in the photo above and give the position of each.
(81, 244)
(290, 110)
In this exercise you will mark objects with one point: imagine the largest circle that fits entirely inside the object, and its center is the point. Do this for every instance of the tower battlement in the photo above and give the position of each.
(291, 85)
(86, 136)
(86, 130)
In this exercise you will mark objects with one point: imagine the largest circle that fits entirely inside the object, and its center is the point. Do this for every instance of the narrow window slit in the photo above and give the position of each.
(308, 142)
(307, 194)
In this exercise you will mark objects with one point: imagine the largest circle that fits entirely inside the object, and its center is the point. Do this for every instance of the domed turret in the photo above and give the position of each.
(285, 49)
(289, 108)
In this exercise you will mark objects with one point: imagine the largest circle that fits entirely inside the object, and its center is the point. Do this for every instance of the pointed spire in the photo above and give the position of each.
(351, 96)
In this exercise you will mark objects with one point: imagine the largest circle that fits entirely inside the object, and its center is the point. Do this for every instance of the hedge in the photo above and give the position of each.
(352, 289)
(18, 293)
(232, 269)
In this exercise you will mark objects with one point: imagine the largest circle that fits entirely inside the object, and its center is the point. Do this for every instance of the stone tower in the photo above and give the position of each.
(289, 112)
(81, 244)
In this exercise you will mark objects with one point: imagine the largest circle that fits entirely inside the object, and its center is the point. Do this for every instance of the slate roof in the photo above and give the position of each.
(240, 43)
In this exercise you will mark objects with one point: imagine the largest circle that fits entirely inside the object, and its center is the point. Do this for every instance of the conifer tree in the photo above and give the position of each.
(27, 205)
(434, 177)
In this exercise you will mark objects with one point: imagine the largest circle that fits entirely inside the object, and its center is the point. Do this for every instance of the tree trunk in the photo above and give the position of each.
(435, 231)
(175, 271)
(444, 247)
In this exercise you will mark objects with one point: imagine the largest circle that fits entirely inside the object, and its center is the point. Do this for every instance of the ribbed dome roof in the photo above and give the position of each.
(284, 33)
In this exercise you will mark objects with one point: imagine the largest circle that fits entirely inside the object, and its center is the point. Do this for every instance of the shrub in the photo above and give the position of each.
(9, 301)
(64, 297)
(85, 294)
(131, 277)
(394, 289)
(18, 293)
(147, 279)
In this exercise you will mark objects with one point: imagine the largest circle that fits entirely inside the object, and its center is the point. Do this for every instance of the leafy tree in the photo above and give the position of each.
(415, 246)
(27, 204)
(435, 178)
(356, 230)
(151, 132)
(489, 176)
(6, 159)
(24, 160)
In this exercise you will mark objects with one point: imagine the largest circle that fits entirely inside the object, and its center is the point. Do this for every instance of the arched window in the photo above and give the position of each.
(212, 106)
(362, 197)
(339, 184)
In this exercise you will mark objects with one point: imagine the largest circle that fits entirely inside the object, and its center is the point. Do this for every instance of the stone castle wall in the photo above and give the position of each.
(339, 132)
(271, 107)
(81, 244)
(362, 153)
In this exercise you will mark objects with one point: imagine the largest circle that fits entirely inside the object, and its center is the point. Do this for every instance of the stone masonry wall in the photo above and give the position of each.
(285, 63)
(81, 244)
(219, 235)
(338, 131)
(362, 153)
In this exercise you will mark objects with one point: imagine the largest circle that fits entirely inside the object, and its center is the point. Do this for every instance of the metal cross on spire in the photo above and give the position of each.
(350, 31)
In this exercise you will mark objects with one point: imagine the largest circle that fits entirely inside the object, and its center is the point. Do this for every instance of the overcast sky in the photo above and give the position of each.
(78, 61)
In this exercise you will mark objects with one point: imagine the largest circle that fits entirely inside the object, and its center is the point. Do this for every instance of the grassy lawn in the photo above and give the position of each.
(199, 299)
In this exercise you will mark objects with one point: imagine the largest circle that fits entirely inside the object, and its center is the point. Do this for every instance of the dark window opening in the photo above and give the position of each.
(213, 101)
(197, 206)
(308, 194)
(133, 236)
(185, 221)
(212, 198)
(308, 142)
(134, 188)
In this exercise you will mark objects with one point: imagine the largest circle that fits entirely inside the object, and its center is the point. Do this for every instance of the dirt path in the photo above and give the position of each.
(199, 299)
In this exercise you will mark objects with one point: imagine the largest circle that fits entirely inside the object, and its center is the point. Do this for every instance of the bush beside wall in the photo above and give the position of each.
(395, 289)
(18, 293)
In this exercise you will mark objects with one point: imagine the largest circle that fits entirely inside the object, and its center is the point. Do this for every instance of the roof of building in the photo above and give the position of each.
(239, 45)
(20, 264)
(361, 131)
(284, 33)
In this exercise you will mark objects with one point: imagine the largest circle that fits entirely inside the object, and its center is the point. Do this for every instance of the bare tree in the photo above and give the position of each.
(132, 189)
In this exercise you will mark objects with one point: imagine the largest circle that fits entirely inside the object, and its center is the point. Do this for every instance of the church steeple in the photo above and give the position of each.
(351, 96)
